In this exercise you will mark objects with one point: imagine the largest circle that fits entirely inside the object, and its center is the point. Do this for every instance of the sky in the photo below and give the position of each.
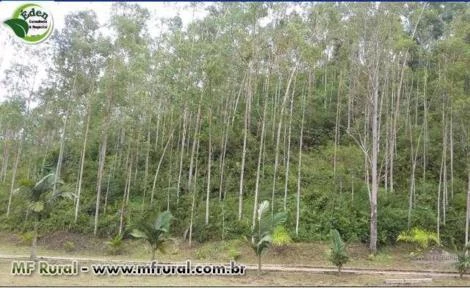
(25, 52)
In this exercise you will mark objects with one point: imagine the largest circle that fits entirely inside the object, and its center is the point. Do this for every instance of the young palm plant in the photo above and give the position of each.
(155, 232)
(41, 198)
(338, 254)
(261, 236)
(463, 261)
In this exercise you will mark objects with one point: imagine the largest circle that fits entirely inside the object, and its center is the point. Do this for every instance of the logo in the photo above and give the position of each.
(32, 23)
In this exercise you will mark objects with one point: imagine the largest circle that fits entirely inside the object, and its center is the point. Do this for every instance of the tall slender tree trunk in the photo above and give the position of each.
(451, 152)
(13, 177)
(61, 155)
(209, 163)
(245, 136)
(338, 112)
(299, 166)
(82, 163)
(147, 160)
(193, 187)
(158, 167)
(126, 190)
(5, 158)
(101, 162)
(195, 143)
(260, 158)
(278, 137)
(374, 158)
(183, 139)
(438, 220)
(286, 184)
(467, 218)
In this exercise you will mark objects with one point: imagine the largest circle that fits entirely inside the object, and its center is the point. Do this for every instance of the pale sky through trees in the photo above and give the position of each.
(59, 10)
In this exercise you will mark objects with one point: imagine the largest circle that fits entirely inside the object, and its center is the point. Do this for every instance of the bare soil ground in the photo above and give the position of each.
(305, 263)
(249, 279)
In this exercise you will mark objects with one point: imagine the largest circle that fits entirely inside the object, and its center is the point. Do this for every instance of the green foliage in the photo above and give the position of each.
(115, 245)
(338, 254)
(69, 246)
(234, 254)
(261, 237)
(233, 249)
(26, 238)
(136, 88)
(422, 238)
(154, 232)
(281, 236)
(463, 264)
(463, 261)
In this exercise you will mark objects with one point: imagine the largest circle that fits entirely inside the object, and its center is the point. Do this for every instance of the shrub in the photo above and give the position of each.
(281, 239)
(462, 264)
(115, 245)
(281, 236)
(422, 238)
(463, 261)
(233, 252)
(27, 238)
(69, 246)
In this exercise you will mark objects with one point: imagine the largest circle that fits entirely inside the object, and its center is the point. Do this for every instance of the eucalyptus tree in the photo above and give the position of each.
(20, 82)
(120, 84)
(79, 60)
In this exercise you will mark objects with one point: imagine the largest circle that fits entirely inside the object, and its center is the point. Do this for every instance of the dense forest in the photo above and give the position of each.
(348, 116)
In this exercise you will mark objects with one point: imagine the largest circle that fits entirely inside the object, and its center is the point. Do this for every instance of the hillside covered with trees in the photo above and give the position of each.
(347, 116)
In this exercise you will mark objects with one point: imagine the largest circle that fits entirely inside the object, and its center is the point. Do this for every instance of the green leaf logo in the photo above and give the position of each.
(19, 26)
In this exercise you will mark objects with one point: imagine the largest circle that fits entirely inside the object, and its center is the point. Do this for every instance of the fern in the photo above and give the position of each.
(420, 237)
(281, 237)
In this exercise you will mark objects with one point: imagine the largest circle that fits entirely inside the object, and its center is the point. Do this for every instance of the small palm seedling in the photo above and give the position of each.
(261, 236)
(463, 261)
(41, 198)
(338, 254)
(115, 245)
(154, 232)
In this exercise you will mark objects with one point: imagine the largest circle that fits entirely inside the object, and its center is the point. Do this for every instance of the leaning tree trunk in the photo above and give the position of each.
(183, 137)
(467, 218)
(82, 162)
(209, 163)
(287, 164)
(245, 135)
(13, 177)
(278, 137)
(152, 194)
(299, 166)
